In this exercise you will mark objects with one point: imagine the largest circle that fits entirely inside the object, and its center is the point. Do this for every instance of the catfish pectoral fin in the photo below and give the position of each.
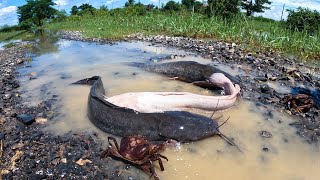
(86, 81)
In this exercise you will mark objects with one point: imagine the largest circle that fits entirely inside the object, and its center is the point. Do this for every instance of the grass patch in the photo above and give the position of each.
(9, 45)
(14, 35)
(254, 33)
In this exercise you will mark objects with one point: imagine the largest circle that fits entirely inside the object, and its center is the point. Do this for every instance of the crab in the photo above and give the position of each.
(138, 151)
(299, 103)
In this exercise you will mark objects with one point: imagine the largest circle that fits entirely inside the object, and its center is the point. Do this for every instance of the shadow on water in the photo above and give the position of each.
(47, 42)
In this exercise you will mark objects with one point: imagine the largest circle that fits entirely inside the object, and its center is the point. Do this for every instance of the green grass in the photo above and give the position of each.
(13, 35)
(255, 34)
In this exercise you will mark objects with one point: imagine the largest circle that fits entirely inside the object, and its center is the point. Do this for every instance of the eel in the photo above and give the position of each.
(122, 121)
(149, 102)
(187, 71)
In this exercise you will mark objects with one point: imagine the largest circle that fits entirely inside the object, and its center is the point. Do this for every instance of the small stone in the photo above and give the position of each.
(41, 120)
(1, 136)
(268, 75)
(19, 61)
(17, 146)
(265, 149)
(7, 96)
(82, 162)
(64, 160)
(210, 48)
(33, 74)
(312, 126)
(265, 134)
(25, 119)
(265, 89)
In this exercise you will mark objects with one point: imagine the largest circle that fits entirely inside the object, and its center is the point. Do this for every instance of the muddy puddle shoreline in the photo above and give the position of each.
(30, 151)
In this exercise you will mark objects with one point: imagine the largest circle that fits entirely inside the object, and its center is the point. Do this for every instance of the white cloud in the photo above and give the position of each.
(277, 5)
(112, 1)
(274, 12)
(311, 4)
(61, 2)
(8, 15)
(7, 10)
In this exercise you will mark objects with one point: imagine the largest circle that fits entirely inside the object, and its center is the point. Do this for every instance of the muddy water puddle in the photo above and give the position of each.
(283, 156)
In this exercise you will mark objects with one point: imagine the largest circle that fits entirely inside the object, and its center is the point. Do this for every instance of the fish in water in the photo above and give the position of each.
(122, 121)
(187, 71)
(149, 102)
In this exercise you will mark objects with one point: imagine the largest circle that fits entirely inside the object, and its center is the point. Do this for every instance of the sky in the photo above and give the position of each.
(8, 8)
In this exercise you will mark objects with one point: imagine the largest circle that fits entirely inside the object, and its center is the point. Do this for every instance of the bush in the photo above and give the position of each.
(303, 20)
(172, 6)
(223, 8)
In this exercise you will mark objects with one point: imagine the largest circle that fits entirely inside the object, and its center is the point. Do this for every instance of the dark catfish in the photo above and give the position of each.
(187, 71)
(178, 125)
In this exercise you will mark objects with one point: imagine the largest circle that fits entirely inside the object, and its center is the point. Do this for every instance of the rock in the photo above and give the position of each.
(250, 58)
(17, 146)
(25, 119)
(41, 120)
(265, 149)
(82, 162)
(1, 136)
(64, 160)
(265, 89)
(265, 134)
(20, 61)
(312, 126)
(7, 96)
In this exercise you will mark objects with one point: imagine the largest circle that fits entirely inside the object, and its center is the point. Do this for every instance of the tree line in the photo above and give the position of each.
(35, 13)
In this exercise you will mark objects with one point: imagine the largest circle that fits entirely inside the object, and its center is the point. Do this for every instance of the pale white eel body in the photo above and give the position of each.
(150, 102)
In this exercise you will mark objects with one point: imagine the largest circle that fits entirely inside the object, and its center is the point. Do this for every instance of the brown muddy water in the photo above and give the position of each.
(283, 156)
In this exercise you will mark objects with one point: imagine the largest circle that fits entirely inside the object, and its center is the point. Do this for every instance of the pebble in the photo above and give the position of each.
(265, 89)
(41, 120)
(1, 136)
(25, 119)
(265, 134)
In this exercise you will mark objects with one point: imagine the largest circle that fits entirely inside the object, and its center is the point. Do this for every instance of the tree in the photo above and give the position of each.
(198, 7)
(172, 6)
(254, 6)
(86, 8)
(303, 19)
(36, 12)
(74, 10)
(60, 15)
(223, 8)
(188, 4)
(103, 8)
(129, 3)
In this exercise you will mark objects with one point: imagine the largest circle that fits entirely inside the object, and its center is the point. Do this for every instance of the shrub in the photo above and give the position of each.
(303, 20)
(223, 8)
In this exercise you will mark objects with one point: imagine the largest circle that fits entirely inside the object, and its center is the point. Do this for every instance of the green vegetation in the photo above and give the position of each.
(220, 19)
(254, 32)
(257, 6)
(35, 13)
(9, 45)
(12, 35)
(304, 20)
(226, 9)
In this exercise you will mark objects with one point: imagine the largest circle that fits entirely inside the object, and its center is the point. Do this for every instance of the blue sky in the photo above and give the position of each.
(8, 8)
